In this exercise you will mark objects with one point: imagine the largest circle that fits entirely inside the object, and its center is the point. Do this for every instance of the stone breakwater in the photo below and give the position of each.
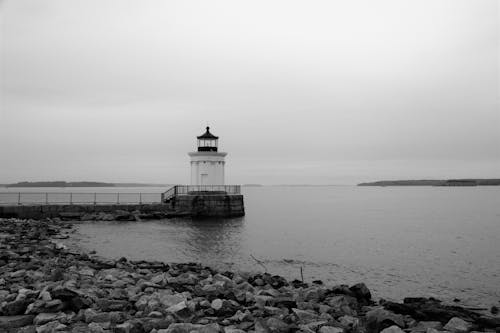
(182, 205)
(46, 288)
(123, 212)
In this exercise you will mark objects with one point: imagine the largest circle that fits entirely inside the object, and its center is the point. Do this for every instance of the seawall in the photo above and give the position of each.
(221, 205)
(76, 211)
(178, 206)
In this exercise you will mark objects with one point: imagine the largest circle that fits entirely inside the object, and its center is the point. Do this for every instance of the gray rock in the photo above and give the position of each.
(95, 328)
(261, 326)
(91, 315)
(210, 328)
(277, 325)
(14, 308)
(15, 321)
(305, 316)
(18, 273)
(181, 328)
(314, 325)
(422, 326)
(343, 304)
(123, 328)
(155, 314)
(55, 305)
(233, 330)
(361, 291)
(177, 307)
(51, 327)
(216, 304)
(240, 316)
(158, 279)
(392, 329)
(45, 296)
(167, 300)
(43, 318)
(131, 326)
(433, 330)
(113, 304)
(274, 311)
(457, 325)
(331, 329)
(377, 318)
(88, 217)
(27, 329)
(87, 271)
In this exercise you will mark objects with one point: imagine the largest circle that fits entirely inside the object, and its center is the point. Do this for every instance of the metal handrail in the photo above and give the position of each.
(89, 198)
(200, 189)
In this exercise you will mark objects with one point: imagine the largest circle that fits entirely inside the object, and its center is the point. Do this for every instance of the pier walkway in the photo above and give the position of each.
(82, 198)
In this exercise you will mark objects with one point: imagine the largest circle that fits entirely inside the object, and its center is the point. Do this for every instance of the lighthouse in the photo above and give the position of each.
(207, 163)
(208, 195)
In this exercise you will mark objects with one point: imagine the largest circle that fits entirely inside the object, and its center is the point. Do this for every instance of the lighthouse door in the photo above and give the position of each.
(204, 179)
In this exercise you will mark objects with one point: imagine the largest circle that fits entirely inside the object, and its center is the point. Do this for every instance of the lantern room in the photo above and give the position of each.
(207, 141)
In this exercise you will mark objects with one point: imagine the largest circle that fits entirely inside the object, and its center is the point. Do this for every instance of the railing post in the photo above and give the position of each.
(19, 199)
(71, 198)
(46, 198)
(118, 198)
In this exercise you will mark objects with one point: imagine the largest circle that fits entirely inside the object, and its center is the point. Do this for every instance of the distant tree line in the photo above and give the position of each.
(435, 182)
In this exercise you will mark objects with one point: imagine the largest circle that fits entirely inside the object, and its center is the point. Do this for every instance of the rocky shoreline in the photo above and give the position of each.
(44, 288)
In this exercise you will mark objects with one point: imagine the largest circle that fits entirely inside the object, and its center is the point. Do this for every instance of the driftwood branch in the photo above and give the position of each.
(260, 263)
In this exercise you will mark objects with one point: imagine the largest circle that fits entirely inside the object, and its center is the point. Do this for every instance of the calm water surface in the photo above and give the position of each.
(400, 241)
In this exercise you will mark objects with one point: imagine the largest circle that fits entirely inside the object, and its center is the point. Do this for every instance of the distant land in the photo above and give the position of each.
(435, 182)
(78, 184)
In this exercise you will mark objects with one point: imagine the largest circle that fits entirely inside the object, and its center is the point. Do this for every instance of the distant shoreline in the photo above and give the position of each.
(435, 182)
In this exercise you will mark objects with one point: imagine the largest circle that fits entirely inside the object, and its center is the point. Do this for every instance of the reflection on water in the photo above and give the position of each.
(401, 241)
(213, 240)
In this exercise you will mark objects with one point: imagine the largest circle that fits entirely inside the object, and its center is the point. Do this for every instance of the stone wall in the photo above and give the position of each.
(182, 205)
(209, 205)
(52, 211)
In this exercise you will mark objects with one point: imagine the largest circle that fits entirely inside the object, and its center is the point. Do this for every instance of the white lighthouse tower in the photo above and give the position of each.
(207, 164)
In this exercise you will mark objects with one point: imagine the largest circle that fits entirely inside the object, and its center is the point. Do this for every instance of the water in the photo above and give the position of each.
(400, 241)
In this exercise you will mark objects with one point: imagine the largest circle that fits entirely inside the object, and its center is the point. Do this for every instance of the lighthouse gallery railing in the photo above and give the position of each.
(200, 189)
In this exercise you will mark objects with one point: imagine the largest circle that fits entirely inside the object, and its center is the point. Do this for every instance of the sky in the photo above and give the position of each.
(299, 92)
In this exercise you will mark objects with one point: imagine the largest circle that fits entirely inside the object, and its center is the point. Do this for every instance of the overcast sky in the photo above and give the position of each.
(320, 92)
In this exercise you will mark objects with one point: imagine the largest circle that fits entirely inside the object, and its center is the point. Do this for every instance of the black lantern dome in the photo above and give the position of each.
(207, 141)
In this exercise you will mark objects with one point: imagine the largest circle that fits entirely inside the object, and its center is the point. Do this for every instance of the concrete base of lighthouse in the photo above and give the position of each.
(212, 205)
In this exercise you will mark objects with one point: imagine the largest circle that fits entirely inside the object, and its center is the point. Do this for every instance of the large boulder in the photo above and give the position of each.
(331, 329)
(305, 316)
(91, 315)
(43, 318)
(361, 292)
(423, 326)
(458, 325)
(188, 327)
(223, 307)
(17, 307)
(379, 319)
(392, 329)
(343, 304)
(277, 325)
(7, 322)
